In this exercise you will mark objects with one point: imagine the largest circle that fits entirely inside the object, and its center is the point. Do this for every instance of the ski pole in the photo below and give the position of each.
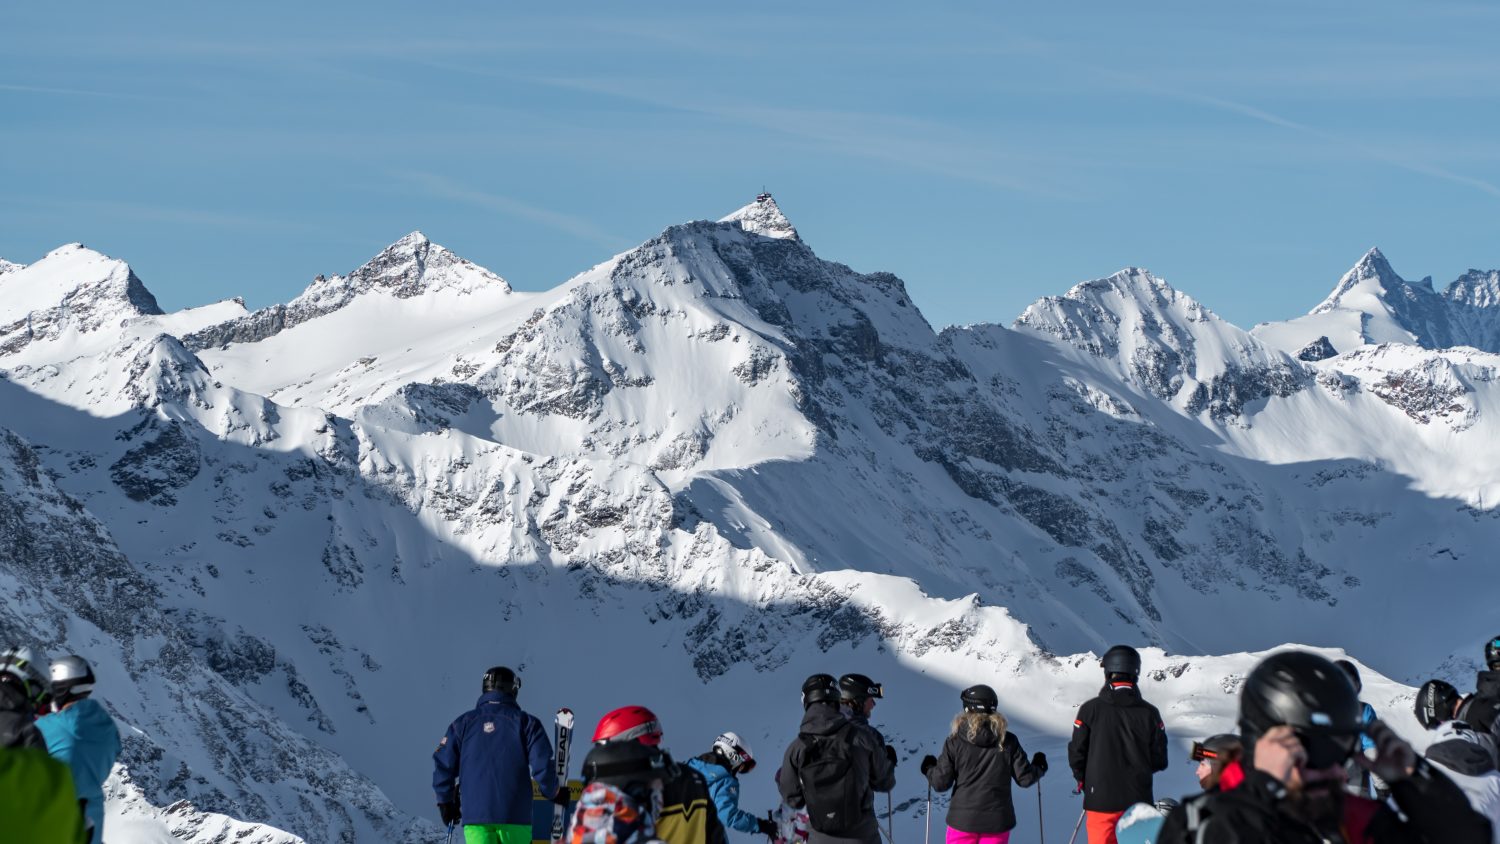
(450, 832)
(927, 833)
(1076, 827)
(1041, 825)
(890, 817)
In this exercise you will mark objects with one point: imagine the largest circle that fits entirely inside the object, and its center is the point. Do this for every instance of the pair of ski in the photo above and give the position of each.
(562, 739)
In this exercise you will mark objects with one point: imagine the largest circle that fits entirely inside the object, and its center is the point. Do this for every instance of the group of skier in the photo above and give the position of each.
(57, 746)
(1311, 763)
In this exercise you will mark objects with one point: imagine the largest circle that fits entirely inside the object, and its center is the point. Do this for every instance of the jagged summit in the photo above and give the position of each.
(764, 217)
(1371, 276)
(10, 266)
(414, 265)
(410, 268)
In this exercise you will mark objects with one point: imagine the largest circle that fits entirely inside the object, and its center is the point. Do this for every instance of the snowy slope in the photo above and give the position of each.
(696, 473)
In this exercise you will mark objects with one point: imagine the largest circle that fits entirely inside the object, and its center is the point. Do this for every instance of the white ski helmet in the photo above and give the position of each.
(72, 678)
(738, 754)
(21, 664)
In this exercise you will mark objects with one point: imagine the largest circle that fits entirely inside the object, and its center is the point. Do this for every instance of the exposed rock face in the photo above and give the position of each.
(1319, 349)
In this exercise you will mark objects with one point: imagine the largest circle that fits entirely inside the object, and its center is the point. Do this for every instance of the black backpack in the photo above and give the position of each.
(835, 801)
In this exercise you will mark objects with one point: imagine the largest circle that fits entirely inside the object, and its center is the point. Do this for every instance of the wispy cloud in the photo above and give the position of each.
(72, 92)
(911, 143)
(442, 187)
(1346, 143)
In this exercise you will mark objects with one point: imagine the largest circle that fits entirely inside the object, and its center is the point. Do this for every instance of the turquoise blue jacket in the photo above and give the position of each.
(85, 738)
(724, 788)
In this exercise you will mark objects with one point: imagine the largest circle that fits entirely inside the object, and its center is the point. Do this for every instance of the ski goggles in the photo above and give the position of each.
(1200, 753)
(1325, 749)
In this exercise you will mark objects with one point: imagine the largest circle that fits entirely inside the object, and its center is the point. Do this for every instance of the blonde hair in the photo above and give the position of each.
(971, 722)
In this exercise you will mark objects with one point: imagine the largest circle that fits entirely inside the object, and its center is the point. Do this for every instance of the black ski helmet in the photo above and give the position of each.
(858, 687)
(622, 763)
(1492, 653)
(1121, 659)
(819, 688)
(1352, 672)
(980, 698)
(1311, 695)
(1223, 746)
(501, 679)
(1436, 703)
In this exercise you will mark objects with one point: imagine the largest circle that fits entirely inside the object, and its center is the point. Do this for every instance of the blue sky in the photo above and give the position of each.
(989, 154)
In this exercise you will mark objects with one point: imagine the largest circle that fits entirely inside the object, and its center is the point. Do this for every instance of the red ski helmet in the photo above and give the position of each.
(629, 723)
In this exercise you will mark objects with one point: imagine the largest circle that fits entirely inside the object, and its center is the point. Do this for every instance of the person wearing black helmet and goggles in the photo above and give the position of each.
(1300, 722)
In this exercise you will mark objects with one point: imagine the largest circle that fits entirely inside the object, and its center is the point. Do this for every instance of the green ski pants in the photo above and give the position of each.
(497, 833)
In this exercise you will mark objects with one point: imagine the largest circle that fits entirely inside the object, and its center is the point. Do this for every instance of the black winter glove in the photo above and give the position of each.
(767, 827)
(562, 796)
(1039, 762)
(928, 763)
(449, 813)
(890, 753)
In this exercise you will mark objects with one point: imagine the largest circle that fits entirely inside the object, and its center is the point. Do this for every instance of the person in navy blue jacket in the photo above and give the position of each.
(483, 767)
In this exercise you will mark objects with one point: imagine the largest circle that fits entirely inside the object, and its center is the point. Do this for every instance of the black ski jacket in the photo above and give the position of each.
(1119, 742)
(979, 768)
(869, 765)
(17, 726)
(1484, 704)
(1437, 813)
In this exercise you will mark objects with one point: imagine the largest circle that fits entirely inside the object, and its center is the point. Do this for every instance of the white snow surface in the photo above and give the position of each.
(690, 476)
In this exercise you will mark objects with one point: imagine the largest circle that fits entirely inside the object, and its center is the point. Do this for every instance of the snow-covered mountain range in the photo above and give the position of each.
(291, 539)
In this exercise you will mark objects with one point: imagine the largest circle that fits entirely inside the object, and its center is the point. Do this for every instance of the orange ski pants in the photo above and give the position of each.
(1101, 826)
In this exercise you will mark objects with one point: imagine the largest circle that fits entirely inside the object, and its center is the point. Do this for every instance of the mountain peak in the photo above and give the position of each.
(1365, 282)
(411, 267)
(73, 286)
(415, 265)
(764, 217)
(410, 243)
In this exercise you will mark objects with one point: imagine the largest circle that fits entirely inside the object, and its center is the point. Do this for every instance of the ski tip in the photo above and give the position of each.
(565, 718)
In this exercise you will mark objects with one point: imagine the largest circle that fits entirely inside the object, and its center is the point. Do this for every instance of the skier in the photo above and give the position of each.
(1299, 720)
(792, 823)
(721, 768)
(833, 768)
(1471, 709)
(493, 752)
(81, 734)
(979, 759)
(1484, 713)
(38, 803)
(1119, 742)
(623, 783)
(1361, 781)
(1465, 755)
(857, 696)
(23, 688)
(1214, 756)
(687, 814)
